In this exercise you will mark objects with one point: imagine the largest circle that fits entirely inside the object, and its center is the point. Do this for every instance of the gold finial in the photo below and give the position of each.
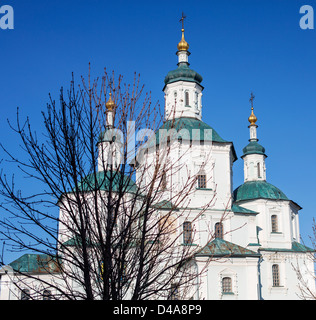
(252, 119)
(183, 45)
(110, 104)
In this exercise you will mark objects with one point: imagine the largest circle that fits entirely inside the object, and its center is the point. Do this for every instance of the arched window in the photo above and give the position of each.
(187, 232)
(274, 223)
(275, 275)
(258, 168)
(196, 100)
(251, 170)
(25, 294)
(219, 230)
(227, 285)
(187, 100)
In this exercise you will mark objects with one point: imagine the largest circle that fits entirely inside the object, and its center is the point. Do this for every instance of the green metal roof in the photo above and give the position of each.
(219, 248)
(194, 129)
(102, 180)
(258, 190)
(165, 205)
(238, 209)
(296, 247)
(183, 73)
(76, 241)
(253, 148)
(35, 263)
(188, 129)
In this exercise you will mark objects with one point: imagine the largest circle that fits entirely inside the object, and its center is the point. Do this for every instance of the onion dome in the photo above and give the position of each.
(183, 73)
(252, 119)
(254, 148)
(183, 45)
(110, 104)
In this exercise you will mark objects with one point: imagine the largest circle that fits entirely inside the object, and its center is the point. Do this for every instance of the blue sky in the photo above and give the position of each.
(237, 46)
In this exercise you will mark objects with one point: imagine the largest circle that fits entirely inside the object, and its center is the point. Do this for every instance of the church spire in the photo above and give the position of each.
(110, 143)
(252, 119)
(254, 154)
(110, 105)
(183, 46)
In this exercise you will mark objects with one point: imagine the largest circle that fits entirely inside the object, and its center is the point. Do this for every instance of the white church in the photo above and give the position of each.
(256, 246)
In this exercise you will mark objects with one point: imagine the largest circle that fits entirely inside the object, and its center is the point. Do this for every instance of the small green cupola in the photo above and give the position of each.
(253, 148)
(255, 185)
(183, 73)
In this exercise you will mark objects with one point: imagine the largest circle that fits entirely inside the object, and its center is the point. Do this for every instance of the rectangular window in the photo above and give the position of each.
(202, 181)
(219, 230)
(187, 101)
(163, 184)
(275, 275)
(274, 223)
(227, 285)
(187, 232)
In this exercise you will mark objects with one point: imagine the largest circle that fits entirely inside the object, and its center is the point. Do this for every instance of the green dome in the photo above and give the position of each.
(183, 73)
(254, 148)
(252, 190)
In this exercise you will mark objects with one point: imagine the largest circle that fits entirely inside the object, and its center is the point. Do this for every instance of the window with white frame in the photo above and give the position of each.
(258, 169)
(275, 275)
(227, 285)
(228, 282)
(274, 223)
(187, 98)
(219, 231)
(187, 232)
(202, 181)
(163, 183)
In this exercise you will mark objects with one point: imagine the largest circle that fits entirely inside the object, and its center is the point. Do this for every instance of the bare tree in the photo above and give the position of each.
(305, 269)
(106, 219)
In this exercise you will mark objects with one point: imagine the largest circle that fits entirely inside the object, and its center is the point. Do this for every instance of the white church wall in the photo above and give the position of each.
(288, 287)
(243, 274)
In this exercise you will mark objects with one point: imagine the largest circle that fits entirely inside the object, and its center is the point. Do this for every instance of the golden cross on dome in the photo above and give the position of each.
(252, 119)
(182, 19)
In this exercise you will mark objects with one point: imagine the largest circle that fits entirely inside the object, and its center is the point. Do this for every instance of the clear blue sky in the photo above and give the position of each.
(237, 46)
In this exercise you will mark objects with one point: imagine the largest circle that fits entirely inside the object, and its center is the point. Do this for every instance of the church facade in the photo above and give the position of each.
(249, 238)
(256, 246)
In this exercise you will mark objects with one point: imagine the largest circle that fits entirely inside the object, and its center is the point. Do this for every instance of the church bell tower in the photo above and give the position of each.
(183, 90)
